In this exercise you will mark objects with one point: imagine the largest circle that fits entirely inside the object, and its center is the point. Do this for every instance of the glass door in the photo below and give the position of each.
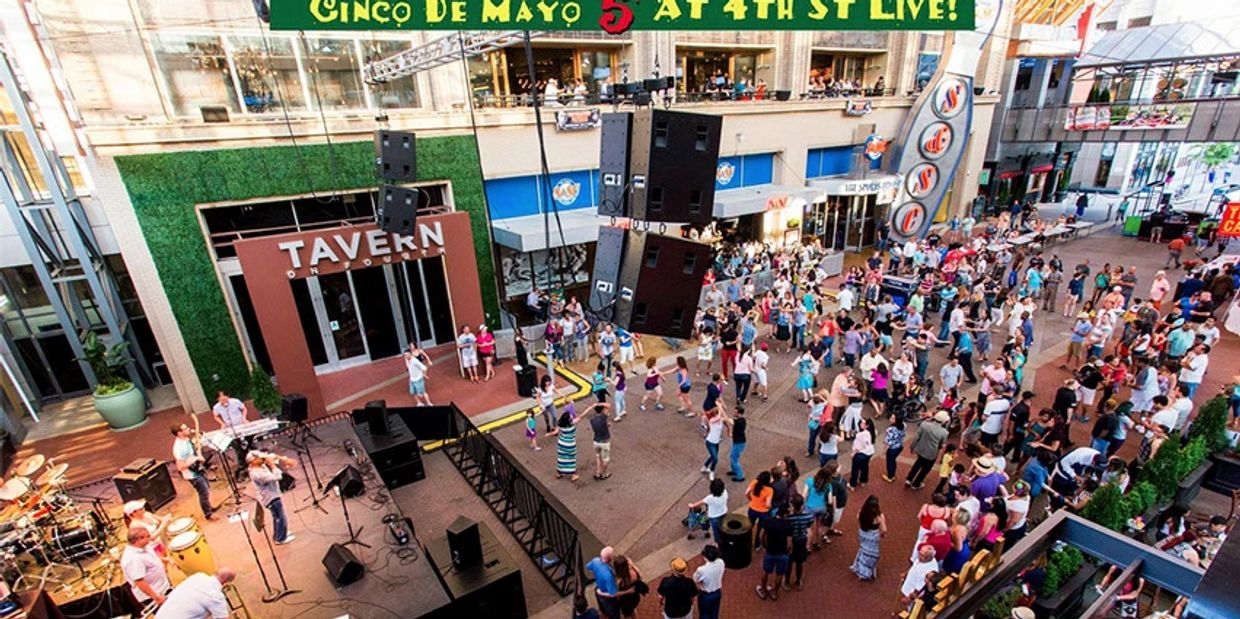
(856, 223)
(338, 316)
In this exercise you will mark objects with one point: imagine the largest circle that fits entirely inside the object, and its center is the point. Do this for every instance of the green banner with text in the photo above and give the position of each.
(617, 16)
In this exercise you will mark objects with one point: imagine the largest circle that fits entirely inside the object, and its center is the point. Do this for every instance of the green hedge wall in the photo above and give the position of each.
(165, 189)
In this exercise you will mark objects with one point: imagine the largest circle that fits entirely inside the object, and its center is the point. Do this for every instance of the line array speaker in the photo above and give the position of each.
(398, 208)
(614, 165)
(656, 286)
(396, 156)
(673, 156)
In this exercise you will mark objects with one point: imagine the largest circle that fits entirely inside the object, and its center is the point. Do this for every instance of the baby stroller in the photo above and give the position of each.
(911, 405)
(696, 521)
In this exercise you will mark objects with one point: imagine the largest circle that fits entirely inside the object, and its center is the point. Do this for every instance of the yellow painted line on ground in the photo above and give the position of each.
(583, 390)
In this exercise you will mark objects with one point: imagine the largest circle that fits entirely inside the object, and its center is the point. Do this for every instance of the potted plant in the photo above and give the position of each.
(120, 403)
(1067, 576)
(266, 397)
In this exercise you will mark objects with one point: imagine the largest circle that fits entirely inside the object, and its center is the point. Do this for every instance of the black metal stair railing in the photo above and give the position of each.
(552, 537)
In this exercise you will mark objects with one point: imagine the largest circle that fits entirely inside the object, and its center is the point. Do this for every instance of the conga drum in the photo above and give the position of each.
(182, 525)
(190, 552)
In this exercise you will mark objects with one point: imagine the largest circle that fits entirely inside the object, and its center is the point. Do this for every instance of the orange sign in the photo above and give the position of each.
(1230, 224)
(776, 203)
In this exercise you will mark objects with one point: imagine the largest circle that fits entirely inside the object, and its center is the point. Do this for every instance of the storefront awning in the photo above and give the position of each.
(1003, 176)
(731, 203)
(1042, 169)
(529, 233)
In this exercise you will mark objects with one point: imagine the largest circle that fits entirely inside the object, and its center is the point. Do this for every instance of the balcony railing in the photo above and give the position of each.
(569, 100)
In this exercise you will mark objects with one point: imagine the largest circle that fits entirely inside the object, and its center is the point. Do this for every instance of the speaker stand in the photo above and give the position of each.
(344, 504)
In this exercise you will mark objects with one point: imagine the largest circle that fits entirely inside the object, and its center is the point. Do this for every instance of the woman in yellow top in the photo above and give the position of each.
(760, 495)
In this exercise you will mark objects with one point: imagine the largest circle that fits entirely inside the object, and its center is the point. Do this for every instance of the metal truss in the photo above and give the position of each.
(442, 51)
(57, 237)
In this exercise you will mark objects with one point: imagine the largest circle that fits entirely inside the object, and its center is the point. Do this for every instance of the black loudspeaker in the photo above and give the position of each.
(148, 480)
(783, 95)
(377, 418)
(625, 89)
(658, 284)
(464, 542)
(396, 156)
(349, 480)
(342, 565)
(396, 455)
(613, 165)
(658, 83)
(673, 156)
(294, 407)
(608, 258)
(398, 208)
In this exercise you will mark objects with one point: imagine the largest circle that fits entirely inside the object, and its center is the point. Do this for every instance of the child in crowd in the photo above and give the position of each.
(531, 429)
(945, 467)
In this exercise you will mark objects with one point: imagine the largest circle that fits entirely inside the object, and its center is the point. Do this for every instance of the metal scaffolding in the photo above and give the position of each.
(442, 51)
(58, 240)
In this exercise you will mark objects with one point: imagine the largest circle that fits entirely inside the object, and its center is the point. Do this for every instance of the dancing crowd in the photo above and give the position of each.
(861, 347)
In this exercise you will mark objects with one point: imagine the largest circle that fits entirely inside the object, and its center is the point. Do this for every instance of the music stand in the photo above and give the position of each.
(336, 482)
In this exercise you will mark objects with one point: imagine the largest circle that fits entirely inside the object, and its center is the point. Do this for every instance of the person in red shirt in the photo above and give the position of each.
(1114, 373)
(1174, 249)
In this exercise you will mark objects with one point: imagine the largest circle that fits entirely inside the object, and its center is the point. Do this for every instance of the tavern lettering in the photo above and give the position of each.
(347, 247)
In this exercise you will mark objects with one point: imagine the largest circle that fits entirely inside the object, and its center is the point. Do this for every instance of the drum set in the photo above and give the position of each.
(45, 533)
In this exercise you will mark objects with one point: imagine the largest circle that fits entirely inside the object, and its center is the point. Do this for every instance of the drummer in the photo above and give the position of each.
(137, 516)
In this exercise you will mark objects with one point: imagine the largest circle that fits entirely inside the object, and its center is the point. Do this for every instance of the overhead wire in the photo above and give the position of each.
(545, 177)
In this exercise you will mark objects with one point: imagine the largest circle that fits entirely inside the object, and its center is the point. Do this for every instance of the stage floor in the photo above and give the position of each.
(398, 582)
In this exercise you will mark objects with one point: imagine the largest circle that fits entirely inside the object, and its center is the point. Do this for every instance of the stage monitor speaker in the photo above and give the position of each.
(396, 156)
(783, 95)
(642, 98)
(398, 208)
(349, 480)
(659, 282)
(673, 156)
(148, 480)
(342, 565)
(377, 420)
(294, 407)
(614, 165)
(464, 542)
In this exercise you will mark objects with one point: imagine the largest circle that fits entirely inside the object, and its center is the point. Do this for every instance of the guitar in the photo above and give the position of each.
(199, 466)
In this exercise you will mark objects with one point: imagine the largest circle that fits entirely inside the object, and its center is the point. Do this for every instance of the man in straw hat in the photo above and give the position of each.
(677, 591)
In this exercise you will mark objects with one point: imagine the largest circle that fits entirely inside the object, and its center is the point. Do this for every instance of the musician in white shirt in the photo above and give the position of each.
(192, 466)
(201, 596)
(230, 412)
(144, 570)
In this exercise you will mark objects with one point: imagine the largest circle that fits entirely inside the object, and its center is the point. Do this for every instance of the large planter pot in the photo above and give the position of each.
(1068, 600)
(124, 410)
(1225, 476)
(1190, 486)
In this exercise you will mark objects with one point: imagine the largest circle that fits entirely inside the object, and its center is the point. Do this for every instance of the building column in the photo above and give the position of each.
(110, 190)
(792, 50)
(649, 46)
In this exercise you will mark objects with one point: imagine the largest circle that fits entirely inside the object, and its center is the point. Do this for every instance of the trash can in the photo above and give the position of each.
(527, 380)
(737, 541)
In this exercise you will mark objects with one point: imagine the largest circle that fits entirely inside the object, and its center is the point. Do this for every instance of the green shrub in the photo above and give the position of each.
(1191, 456)
(108, 364)
(1061, 566)
(1107, 507)
(266, 397)
(999, 606)
(1162, 471)
(1211, 425)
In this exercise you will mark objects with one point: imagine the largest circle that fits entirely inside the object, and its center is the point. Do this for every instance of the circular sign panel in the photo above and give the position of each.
(950, 97)
(908, 218)
(935, 140)
(922, 180)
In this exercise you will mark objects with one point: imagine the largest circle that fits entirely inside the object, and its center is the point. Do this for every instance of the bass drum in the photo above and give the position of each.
(73, 540)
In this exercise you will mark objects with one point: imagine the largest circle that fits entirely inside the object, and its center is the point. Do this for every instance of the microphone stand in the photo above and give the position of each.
(314, 498)
(349, 522)
(273, 596)
(232, 482)
(248, 540)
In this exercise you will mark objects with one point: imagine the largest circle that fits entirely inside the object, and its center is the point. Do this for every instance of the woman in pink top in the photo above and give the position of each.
(486, 350)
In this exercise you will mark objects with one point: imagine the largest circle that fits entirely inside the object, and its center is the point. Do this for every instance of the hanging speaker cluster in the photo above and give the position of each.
(654, 166)
(396, 161)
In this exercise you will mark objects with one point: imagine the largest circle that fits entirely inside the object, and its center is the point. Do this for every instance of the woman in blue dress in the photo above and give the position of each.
(960, 553)
(873, 525)
(805, 375)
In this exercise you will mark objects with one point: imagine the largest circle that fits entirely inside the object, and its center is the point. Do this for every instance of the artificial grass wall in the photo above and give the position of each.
(165, 189)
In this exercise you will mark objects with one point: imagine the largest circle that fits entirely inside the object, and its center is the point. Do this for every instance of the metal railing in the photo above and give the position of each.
(556, 541)
(569, 100)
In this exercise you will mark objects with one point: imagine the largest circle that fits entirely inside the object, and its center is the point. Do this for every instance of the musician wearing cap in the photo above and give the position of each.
(201, 596)
(266, 471)
(144, 570)
(230, 412)
(136, 516)
(191, 464)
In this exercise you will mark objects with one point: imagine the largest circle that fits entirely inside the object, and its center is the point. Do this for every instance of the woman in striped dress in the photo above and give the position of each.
(566, 445)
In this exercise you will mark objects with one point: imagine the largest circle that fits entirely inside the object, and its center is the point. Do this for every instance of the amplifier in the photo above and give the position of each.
(396, 456)
(154, 485)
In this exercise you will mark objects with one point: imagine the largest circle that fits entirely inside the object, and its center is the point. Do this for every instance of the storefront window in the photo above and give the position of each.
(396, 93)
(335, 80)
(268, 74)
(595, 67)
(482, 77)
(701, 67)
(195, 71)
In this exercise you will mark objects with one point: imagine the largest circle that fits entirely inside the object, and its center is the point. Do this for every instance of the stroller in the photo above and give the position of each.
(910, 405)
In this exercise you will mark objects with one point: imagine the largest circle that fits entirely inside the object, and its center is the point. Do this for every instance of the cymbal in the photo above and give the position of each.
(27, 467)
(14, 488)
(53, 474)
